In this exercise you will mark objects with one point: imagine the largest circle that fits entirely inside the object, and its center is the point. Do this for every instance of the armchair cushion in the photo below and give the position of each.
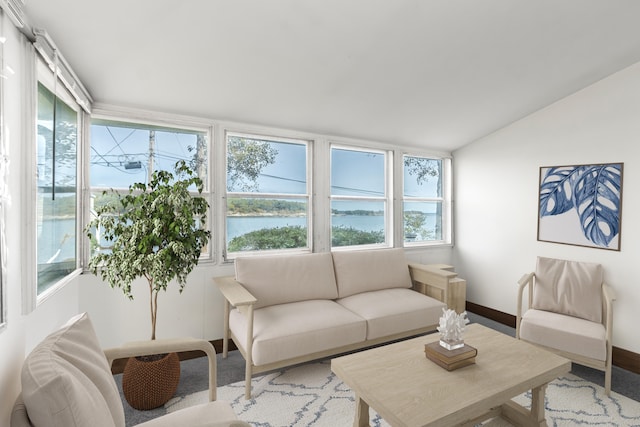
(566, 333)
(66, 380)
(280, 280)
(365, 271)
(569, 287)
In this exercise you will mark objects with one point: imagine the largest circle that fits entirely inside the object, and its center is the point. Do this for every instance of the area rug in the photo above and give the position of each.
(311, 395)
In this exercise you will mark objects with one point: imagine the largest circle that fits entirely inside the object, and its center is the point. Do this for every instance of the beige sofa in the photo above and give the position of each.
(287, 309)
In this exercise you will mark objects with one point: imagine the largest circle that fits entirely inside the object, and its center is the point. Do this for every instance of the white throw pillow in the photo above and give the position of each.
(66, 380)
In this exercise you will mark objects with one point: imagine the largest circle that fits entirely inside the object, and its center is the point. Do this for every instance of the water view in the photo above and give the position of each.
(239, 225)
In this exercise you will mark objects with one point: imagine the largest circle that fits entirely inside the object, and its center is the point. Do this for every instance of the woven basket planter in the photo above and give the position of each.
(148, 384)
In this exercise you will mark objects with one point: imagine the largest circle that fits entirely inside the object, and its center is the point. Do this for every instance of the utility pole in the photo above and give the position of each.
(152, 145)
(200, 164)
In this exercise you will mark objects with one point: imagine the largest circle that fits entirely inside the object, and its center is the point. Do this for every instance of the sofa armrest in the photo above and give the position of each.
(237, 296)
(441, 282)
(144, 348)
(234, 292)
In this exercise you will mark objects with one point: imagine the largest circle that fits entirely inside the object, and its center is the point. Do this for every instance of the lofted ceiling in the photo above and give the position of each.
(432, 73)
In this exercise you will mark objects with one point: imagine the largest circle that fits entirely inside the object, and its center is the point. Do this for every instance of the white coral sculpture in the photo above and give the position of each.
(452, 325)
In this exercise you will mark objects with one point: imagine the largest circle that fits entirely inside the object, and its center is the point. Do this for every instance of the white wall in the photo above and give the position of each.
(22, 332)
(496, 196)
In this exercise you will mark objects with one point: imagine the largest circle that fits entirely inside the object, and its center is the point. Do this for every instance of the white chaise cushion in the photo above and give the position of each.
(281, 279)
(392, 311)
(566, 333)
(371, 270)
(296, 329)
(66, 380)
(569, 287)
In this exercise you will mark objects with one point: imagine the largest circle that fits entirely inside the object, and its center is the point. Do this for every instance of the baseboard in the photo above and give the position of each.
(624, 359)
(118, 365)
(490, 313)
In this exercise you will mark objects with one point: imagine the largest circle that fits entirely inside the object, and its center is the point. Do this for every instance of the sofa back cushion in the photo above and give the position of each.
(66, 380)
(569, 287)
(282, 279)
(371, 270)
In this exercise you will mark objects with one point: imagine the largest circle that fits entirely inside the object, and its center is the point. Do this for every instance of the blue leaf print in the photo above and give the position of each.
(556, 189)
(597, 200)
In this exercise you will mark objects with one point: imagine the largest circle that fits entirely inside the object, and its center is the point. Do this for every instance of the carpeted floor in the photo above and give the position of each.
(311, 395)
(194, 377)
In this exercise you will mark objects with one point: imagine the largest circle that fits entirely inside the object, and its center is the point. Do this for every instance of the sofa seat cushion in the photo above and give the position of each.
(371, 270)
(392, 311)
(66, 380)
(566, 333)
(282, 279)
(296, 329)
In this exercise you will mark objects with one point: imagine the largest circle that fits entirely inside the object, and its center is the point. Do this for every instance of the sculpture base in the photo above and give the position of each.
(452, 345)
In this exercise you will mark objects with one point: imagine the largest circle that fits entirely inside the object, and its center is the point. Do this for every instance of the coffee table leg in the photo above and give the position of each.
(520, 416)
(362, 413)
(537, 405)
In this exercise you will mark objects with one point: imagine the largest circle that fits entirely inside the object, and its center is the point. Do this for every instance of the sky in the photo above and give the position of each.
(119, 157)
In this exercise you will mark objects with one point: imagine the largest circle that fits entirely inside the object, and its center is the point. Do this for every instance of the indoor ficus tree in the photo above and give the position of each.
(156, 231)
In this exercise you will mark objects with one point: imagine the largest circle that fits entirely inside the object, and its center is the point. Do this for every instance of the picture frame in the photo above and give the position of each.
(581, 205)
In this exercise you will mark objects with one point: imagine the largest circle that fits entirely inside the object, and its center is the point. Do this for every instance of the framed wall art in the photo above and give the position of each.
(581, 205)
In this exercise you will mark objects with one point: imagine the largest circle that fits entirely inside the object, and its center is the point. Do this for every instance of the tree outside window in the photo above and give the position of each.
(267, 194)
(422, 199)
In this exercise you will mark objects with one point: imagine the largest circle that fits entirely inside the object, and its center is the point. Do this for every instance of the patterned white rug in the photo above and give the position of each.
(311, 395)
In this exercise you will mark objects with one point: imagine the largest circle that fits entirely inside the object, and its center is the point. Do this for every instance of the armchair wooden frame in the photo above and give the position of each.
(145, 348)
(608, 296)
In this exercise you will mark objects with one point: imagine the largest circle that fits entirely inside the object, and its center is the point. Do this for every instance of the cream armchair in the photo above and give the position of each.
(569, 312)
(67, 381)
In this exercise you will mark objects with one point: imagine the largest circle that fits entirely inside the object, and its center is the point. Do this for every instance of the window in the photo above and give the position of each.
(123, 153)
(424, 205)
(268, 194)
(359, 197)
(56, 197)
(57, 103)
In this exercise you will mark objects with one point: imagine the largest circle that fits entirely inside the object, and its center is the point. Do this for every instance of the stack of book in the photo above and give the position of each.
(450, 359)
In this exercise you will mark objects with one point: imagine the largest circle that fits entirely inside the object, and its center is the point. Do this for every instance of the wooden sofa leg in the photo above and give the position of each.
(607, 381)
(247, 381)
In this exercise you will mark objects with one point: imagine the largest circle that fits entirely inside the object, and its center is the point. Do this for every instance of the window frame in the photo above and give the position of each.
(318, 181)
(387, 199)
(276, 137)
(445, 200)
(45, 75)
(169, 122)
(4, 160)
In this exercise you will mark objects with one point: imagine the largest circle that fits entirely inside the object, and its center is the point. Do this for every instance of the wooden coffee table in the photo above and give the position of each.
(407, 389)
